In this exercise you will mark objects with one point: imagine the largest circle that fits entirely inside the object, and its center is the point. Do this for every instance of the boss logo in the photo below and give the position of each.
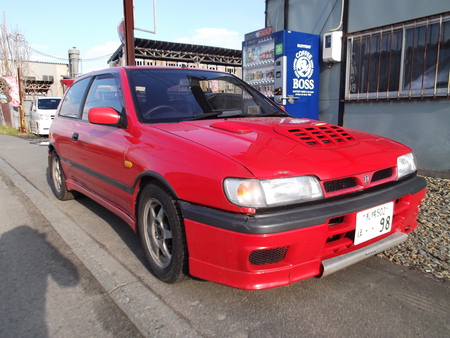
(366, 179)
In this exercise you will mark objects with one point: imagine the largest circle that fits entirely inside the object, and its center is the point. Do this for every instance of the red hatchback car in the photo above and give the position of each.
(224, 185)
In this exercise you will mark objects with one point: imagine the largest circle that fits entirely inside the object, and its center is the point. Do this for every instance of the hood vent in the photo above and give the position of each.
(325, 136)
(231, 127)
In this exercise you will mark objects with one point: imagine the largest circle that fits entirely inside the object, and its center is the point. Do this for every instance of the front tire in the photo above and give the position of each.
(58, 179)
(162, 234)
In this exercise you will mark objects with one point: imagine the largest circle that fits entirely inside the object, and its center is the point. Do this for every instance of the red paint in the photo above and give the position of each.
(193, 157)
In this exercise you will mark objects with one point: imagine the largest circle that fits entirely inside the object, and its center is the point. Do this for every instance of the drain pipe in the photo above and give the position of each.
(344, 23)
(286, 14)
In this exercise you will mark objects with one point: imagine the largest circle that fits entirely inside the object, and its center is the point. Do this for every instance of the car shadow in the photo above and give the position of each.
(123, 230)
(27, 260)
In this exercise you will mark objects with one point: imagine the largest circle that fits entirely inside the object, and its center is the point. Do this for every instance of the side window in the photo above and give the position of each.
(102, 93)
(72, 101)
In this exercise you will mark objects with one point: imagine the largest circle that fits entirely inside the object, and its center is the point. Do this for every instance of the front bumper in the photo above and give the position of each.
(278, 248)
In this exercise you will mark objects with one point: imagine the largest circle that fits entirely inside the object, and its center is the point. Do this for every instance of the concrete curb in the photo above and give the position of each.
(151, 316)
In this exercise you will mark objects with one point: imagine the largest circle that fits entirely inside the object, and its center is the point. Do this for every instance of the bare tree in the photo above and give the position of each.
(14, 57)
(14, 52)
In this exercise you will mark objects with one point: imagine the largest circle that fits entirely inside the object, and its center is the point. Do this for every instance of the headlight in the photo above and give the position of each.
(406, 165)
(267, 193)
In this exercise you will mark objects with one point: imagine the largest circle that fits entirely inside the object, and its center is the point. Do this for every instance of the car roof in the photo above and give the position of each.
(105, 70)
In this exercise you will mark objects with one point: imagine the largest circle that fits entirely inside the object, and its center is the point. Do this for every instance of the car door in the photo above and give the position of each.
(63, 124)
(99, 149)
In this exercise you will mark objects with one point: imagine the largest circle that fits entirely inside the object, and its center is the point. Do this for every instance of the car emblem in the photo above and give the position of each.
(366, 179)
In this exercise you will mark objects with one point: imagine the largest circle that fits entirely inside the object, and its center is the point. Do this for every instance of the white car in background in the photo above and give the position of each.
(42, 112)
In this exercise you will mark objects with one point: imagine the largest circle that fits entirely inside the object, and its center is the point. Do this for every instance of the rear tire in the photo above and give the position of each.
(162, 234)
(58, 179)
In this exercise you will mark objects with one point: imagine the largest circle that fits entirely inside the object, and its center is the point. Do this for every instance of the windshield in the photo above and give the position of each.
(48, 103)
(174, 95)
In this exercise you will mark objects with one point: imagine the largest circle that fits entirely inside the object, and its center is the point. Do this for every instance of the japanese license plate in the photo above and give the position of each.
(373, 222)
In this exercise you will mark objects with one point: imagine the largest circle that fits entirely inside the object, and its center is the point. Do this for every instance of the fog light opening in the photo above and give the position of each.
(268, 256)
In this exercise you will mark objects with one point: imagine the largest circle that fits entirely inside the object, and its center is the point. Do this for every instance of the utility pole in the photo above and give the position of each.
(21, 117)
(129, 32)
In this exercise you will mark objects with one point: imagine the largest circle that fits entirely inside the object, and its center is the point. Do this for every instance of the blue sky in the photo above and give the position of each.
(52, 27)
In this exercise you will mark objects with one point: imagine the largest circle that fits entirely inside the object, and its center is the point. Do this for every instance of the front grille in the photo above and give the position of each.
(382, 174)
(344, 183)
(268, 256)
(358, 182)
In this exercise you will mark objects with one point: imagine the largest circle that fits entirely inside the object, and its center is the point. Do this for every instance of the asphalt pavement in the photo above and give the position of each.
(74, 269)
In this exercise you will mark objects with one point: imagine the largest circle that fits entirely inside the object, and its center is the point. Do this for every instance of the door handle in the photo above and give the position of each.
(75, 137)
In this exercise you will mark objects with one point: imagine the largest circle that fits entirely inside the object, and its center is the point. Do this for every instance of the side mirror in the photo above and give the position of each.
(104, 115)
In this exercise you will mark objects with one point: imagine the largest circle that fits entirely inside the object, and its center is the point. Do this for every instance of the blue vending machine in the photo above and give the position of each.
(285, 67)
(297, 73)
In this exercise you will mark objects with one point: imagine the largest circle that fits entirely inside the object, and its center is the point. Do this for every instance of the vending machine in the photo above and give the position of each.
(258, 60)
(284, 66)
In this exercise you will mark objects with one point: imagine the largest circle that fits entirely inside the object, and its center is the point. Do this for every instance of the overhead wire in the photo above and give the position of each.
(97, 58)
(67, 59)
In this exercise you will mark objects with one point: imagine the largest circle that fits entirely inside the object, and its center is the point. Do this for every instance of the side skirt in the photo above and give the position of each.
(129, 219)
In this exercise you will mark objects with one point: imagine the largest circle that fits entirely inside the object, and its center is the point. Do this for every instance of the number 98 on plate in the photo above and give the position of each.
(373, 222)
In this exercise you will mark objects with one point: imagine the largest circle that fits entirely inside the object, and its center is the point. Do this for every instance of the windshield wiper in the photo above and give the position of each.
(214, 114)
(225, 114)
(202, 116)
(277, 113)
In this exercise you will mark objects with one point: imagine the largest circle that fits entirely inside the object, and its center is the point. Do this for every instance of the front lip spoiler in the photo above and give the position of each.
(340, 262)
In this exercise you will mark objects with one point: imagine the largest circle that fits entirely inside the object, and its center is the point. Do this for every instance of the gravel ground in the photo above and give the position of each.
(428, 246)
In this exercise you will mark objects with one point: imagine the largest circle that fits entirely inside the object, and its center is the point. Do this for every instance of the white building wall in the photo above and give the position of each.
(43, 71)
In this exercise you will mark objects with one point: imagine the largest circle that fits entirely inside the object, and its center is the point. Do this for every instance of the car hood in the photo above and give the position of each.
(271, 147)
